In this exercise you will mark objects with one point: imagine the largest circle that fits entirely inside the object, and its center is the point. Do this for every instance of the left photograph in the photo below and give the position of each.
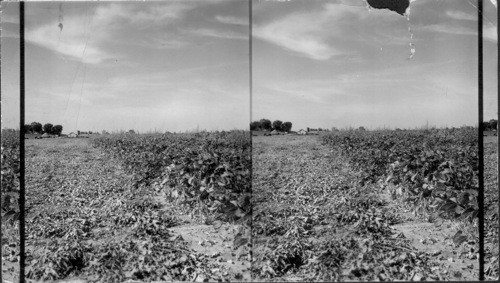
(10, 140)
(137, 141)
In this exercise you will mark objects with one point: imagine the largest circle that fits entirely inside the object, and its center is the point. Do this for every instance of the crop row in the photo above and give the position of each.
(432, 169)
(208, 168)
(10, 175)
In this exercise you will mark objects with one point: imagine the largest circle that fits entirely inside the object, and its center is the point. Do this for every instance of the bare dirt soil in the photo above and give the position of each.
(10, 271)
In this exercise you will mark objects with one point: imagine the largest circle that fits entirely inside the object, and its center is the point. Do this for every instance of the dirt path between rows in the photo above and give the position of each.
(79, 194)
(436, 238)
(216, 241)
(289, 170)
(10, 270)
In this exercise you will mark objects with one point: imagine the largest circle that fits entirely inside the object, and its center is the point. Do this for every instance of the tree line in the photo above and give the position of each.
(490, 126)
(265, 124)
(37, 128)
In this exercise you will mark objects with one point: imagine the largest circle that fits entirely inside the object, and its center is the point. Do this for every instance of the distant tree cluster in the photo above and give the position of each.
(490, 126)
(265, 124)
(37, 128)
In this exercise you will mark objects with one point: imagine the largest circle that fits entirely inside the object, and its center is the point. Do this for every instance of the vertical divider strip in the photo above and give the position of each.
(22, 256)
(251, 138)
(480, 139)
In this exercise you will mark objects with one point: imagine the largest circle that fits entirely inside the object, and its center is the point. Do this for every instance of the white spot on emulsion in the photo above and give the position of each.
(412, 46)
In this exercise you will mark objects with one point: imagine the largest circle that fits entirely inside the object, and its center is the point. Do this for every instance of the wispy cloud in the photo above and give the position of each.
(9, 18)
(84, 37)
(93, 35)
(232, 20)
(10, 30)
(161, 14)
(490, 33)
(162, 41)
(301, 33)
(76, 43)
(295, 36)
(220, 34)
(460, 15)
(449, 28)
(155, 14)
(326, 31)
(79, 36)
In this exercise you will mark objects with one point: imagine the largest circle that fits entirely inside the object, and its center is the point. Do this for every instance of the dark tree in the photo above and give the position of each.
(254, 126)
(265, 124)
(57, 129)
(493, 124)
(287, 126)
(48, 128)
(131, 131)
(36, 127)
(277, 125)
(26, 129)
(361, 128)
(485, 126)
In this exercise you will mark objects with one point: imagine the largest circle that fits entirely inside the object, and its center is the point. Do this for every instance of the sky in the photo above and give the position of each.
(149, 66)
(339, 64)
(184, 65)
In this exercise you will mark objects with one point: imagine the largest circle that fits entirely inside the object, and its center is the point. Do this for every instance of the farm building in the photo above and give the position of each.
(274, 132)
(302, 132)
(72, 135)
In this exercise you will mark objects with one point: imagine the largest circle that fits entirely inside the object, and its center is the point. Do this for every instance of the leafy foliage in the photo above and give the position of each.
(320, 213)
(287, 126)
(491, 214)
(48, 128)
(213, 168)
(36, 127)
(434, 169)
(277, 125)
(10, 175)
(10, 194)
(91, 215)
(26, 128)
(57, 129)
(265, 124)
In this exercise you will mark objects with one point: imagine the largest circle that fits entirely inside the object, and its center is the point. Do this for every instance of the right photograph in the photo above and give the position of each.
(365, 147)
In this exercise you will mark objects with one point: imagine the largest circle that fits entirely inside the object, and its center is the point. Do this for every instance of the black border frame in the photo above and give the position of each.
(480, 134)
(22, 164)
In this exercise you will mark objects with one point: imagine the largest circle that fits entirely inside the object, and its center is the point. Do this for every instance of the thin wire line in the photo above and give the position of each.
(85, 67)
(484, 16)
